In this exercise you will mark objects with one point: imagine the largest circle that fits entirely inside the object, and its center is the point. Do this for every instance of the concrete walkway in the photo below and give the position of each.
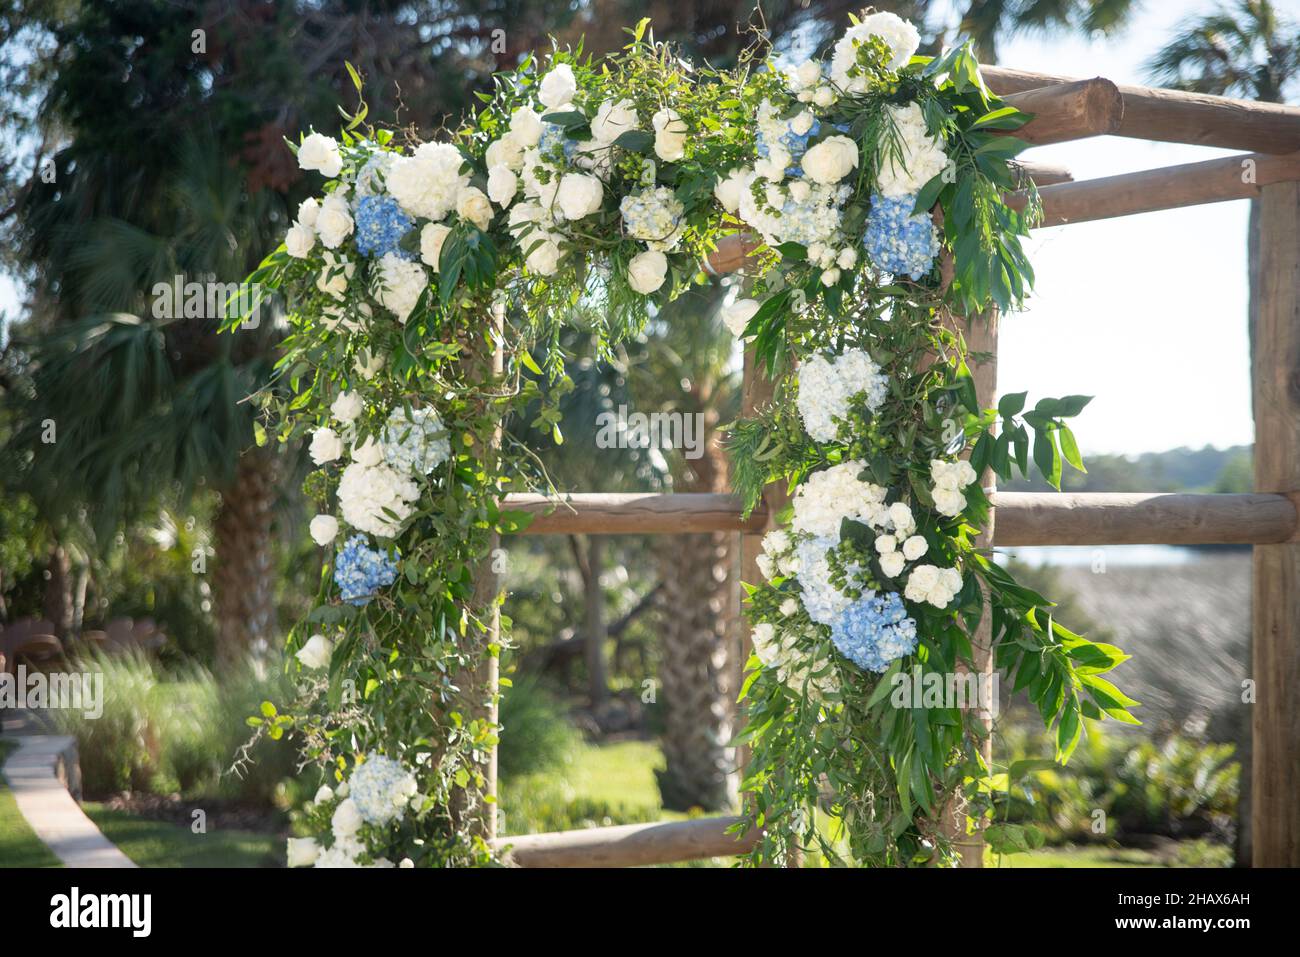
(40, 774)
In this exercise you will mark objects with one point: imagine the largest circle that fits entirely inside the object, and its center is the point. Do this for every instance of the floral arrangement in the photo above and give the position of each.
(868, 186)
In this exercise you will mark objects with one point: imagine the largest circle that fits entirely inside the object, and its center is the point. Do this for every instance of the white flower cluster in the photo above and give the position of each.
(949, 479)
(821, 504)
(379, 792)
(428, 184)
(329, 220)
(900, 35)
(922, 157)
(375, 498)
(777, 648)
(564, 181)
(828, 388)
(414, 445)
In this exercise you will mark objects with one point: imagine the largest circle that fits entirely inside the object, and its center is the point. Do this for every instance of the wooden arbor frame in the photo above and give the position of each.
(1064, 109)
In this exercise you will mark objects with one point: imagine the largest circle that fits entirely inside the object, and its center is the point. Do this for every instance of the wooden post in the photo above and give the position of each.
(1275, 615)
(981, 336)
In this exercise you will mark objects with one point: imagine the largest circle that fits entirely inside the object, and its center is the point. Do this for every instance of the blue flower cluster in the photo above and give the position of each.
(874, 631)
(380, 226)
(360, 571)
(796, 144)
(898, 241)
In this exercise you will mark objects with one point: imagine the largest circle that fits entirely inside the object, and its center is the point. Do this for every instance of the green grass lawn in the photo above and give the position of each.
(19, 846)
(163, 844)
(1079, 857)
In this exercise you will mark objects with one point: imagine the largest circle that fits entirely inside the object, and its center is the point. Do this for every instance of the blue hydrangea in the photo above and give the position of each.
(796, 144)
(898, 241)
(380, 226)
(360, 571)
(874, 631)
(553, 137)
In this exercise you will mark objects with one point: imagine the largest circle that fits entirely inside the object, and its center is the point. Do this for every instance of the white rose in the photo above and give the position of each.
(323, 795)
(315, 653)
(299, 240)
(472, 204)
(558, 87)
(369, 453)
(507, 151)
(502, 185)
(526, 127)
(901, 516)
(830, 160)
(320, 152)
(729, 191)
(302, 852)
(432, 236)
(324, 529)
(915, 547)
(544, 256)
(347, 819)
(647, 271)
(802, 123)
(778, 161)
(824, 97)
(920, 582)
(848, 258)
(891, 564)
(346, 408)
(670, 135)
(790, 607)
(949, 501)
(334, 222)
(308, 210)
(830, 277)
(886, 544)
(326, 446)
(612, 120)
(579, 195)
(333, 279)
(737, 315)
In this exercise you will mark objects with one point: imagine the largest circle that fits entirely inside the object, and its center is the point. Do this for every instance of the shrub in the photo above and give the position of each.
(536, 732)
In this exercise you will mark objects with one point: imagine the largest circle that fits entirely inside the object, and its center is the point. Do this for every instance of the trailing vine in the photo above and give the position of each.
(422, 280)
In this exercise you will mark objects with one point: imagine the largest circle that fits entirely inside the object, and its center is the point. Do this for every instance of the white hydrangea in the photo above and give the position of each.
(381, 789)
(399, 285)
(427, 183)
(827, 388)
(823, 601)
(923, 157)
(831, 495)
(368, 493)
(798, 212)
(370, 178)
(414, 445)
(902, 37)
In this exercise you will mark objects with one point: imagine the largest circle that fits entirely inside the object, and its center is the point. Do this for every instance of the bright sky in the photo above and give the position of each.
(1147, 313)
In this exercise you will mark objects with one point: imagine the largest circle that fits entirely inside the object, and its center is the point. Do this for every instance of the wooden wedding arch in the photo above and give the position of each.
(1064, 109)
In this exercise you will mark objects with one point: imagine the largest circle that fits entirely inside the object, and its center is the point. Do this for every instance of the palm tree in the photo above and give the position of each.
(989, 21)
(688, 369)
(1247, 51)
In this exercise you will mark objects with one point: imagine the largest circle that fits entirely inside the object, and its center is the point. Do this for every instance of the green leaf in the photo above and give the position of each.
(1070, 448)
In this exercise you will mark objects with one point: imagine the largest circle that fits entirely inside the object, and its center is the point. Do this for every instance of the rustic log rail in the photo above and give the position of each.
(1024, 518)
(628, 845)
(1066, 108)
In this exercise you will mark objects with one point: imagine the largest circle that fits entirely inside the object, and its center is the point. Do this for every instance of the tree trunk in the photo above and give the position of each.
(57, 600)
(595, 635)
(696, 571)
(243, 584)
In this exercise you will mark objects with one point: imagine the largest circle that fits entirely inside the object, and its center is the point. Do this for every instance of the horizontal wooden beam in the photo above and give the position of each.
(1212, 181)
(628, 845)
(1142, 518)
(1024, 518)
(617, 513)
(1173, 116)
(1069, 111)
(1043, 174)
